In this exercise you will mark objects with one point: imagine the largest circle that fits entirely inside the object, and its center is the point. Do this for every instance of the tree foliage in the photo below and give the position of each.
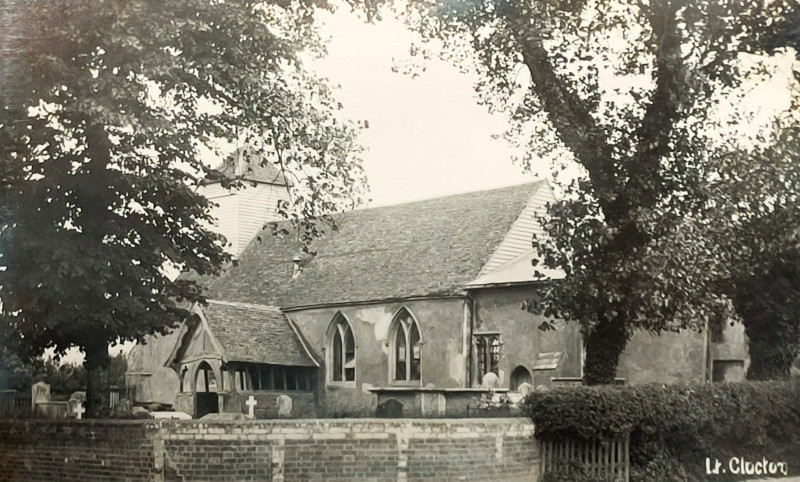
(760, 236)
(632, 92)
(107, 107)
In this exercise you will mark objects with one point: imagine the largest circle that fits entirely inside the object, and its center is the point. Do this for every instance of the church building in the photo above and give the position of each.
(413, 303)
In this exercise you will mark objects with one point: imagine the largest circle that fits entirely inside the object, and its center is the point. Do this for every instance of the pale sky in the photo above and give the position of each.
(427, 136)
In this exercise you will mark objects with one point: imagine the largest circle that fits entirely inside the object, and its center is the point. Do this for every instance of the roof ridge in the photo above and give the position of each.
(435, 198)
(253, 306)
(336, 216)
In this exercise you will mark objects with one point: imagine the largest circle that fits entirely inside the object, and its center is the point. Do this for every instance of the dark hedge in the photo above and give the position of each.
(674, 428)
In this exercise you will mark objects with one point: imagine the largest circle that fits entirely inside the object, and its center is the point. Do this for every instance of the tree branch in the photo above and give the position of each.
(653, 135)
(566, 110)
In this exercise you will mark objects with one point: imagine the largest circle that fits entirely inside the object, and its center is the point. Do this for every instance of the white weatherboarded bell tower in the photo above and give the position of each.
(242, 213)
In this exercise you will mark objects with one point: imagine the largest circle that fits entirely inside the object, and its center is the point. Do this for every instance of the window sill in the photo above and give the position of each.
(406, 383)
(341, 385)
(275, 390)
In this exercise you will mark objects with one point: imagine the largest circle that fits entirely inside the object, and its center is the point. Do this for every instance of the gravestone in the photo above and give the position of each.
(490, 381)
(141, 412)
(78, 410)
(40, 393)
(284, 403)
(124, 408)
(525, 388)
(390, 409)
(251, 406)
(75, 400)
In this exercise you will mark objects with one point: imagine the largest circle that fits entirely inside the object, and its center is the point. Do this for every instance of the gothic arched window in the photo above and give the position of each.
(405, 353)
(489, 348)
(341, 351)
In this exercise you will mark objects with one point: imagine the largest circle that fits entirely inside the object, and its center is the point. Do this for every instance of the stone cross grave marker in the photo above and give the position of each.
(251, 405)
(79, 410)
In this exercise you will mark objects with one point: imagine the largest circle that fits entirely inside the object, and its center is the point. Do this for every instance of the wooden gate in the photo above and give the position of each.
(608, 460)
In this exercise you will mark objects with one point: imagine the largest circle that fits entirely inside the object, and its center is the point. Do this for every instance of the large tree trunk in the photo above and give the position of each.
(770, 311)
(604, 345)
(97, 390)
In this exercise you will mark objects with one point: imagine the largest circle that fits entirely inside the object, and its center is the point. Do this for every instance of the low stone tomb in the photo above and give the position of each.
(171, 415)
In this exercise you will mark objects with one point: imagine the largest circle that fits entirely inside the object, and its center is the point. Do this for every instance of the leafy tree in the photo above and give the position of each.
(769, 305)
(17, 373)
(756, 227)
(66, 379)
(630, 91)
(107, 107)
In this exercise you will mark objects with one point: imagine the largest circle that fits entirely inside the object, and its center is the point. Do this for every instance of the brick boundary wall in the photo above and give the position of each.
(501, 449)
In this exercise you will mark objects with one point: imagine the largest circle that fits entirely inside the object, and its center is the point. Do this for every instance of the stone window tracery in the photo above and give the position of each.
(406, 348)
(342, 351)
(489, 348)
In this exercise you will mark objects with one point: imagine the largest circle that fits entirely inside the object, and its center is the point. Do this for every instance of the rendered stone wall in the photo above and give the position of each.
(665, 358)
(443, 361)
(498, 310)
(288, 450)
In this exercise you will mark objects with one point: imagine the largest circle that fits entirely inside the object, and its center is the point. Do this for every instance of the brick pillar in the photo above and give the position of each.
(402, 457)
(278, 454)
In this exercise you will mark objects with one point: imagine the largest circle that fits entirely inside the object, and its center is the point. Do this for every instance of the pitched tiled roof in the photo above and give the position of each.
(258, 334)
(431, 247)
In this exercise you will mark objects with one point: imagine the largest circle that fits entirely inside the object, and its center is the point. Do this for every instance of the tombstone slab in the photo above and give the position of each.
(124, 408)
(525, 388)
(390, 409)
(75, 400)
(171, 415)
(40, 393)
(140, 412)
(491, 381)
(225, 417)
(78, 396)
(284, 403)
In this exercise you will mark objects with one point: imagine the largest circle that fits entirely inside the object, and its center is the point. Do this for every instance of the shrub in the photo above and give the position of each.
(673, 428)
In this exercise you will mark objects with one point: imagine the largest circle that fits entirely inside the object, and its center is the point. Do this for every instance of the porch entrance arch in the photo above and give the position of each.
(206, 399)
